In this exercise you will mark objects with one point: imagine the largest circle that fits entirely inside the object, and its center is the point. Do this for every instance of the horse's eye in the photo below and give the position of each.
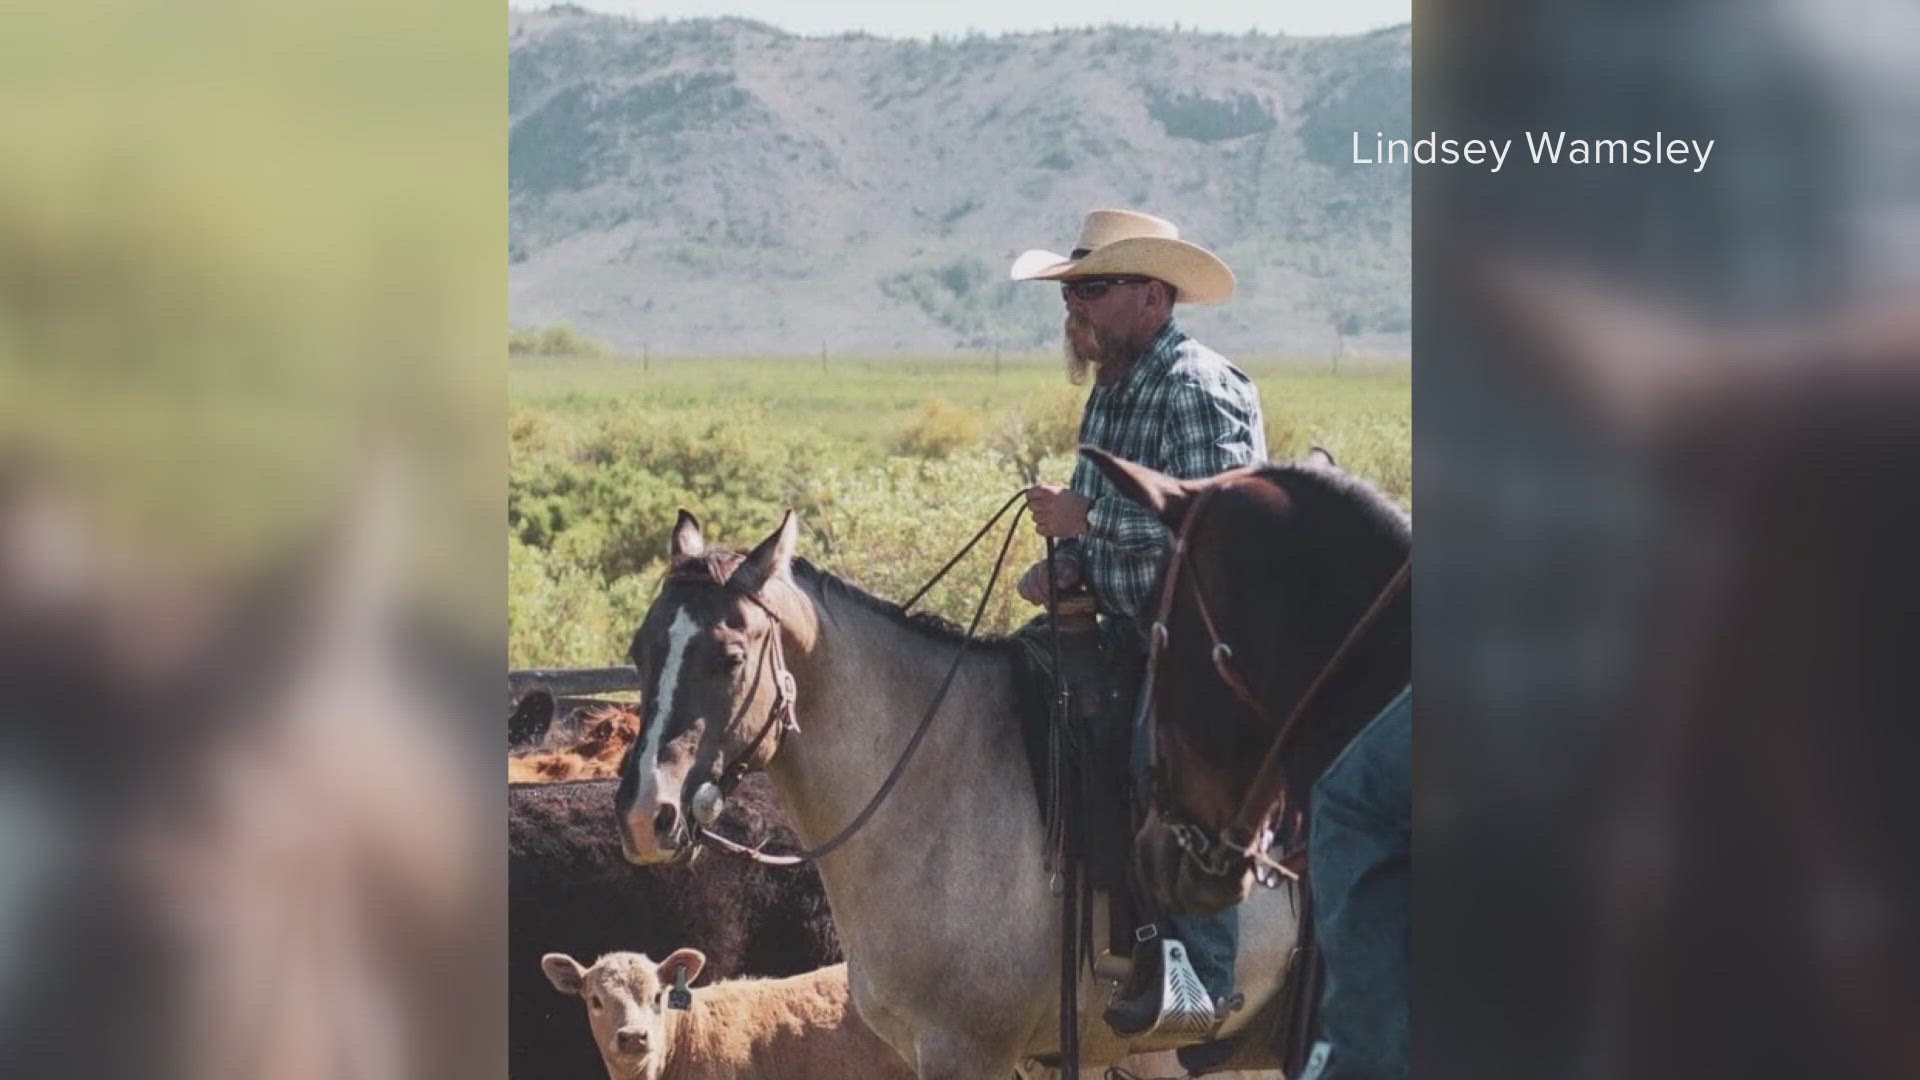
(733, 660)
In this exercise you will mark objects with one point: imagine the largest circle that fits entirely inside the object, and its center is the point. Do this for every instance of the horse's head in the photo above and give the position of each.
(1276, 565)
(717, 697)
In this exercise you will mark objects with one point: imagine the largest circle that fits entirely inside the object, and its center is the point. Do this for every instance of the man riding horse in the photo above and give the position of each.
(1166, 401)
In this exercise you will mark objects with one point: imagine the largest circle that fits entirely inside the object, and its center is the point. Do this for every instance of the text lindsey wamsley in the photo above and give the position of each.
(1543, 148)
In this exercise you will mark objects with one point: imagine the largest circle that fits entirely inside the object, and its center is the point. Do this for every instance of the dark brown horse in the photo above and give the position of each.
(1277, 567)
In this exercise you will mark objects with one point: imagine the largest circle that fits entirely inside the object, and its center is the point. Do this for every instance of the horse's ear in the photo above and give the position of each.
(1320, 455)
(688, 541)
(1166, 497)
(773, 558)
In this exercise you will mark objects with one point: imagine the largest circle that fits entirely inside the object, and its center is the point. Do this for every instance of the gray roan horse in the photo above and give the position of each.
(941, 900)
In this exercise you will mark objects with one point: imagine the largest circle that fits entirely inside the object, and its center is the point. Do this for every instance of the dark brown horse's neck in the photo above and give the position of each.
(1299, 691)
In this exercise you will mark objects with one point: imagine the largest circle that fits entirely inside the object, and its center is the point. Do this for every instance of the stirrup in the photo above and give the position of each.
(1186, 1012)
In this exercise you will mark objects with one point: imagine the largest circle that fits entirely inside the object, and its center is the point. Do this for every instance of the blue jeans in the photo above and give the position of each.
(1212, 941)
(1361, 853)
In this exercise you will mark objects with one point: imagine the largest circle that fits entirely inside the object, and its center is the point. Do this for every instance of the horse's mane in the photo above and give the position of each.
(715, 566)
(1375, 507)
(924, 623)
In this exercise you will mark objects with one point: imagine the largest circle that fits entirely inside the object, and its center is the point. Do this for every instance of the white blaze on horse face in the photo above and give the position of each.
(679, 633)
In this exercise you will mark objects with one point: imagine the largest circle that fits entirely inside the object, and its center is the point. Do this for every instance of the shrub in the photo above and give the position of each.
(552, 341)
(937, 430)
(894, 524)
(608, 500)
(527, 431)
(558, 614)
(599, 472)
(1041, 428)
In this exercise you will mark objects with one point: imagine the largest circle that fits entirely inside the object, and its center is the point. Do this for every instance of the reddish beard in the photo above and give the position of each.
(1082, 347)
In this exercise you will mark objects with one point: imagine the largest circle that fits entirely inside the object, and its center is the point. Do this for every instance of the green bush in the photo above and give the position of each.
(885, 527)
(608, 498)
(552, 341)
(558, 614)
(1042, 427)
(937, 430)
(892, 525)
(602, 458)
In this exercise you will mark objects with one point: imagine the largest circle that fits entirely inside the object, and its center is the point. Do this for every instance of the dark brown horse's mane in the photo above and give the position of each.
(1376, 508)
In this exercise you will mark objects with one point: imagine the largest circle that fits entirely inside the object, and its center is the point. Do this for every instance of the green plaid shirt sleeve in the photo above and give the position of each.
(1183, 410)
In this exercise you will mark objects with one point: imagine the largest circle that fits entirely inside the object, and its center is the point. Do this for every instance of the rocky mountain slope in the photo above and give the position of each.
(720, 186)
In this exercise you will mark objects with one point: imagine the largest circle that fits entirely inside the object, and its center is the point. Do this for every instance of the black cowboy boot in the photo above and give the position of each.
(1136, 1006)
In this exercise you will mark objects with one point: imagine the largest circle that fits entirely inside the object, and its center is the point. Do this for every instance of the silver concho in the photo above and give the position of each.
(707, 803)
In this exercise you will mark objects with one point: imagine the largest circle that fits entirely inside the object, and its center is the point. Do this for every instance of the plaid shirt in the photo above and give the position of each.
(1183, 410)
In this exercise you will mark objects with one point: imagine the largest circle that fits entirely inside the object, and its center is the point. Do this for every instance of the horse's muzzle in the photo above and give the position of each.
(656, 837)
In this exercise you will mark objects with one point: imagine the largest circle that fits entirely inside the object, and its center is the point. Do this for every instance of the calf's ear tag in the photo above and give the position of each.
(680, 997)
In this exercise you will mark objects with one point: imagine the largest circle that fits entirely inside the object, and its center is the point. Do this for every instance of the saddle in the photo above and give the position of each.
(1080, 765)
(1079, 749)
(1081, 768)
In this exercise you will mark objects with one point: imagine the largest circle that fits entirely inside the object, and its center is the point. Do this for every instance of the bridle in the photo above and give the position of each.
(772, 653)
(1243, 841)
(785, 692)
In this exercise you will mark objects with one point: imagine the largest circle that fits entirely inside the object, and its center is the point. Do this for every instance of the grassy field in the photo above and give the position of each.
(891, 464)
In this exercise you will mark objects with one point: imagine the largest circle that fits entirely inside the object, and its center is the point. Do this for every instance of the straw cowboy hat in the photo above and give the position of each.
(1126, 242)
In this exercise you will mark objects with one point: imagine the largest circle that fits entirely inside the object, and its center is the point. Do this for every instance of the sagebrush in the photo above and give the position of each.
(890, 465)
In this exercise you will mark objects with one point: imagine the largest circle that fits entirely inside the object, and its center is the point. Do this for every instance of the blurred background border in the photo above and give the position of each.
(1664, 444)
(252, 327)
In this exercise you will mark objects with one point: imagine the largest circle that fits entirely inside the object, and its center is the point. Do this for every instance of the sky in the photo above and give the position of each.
(922, 18)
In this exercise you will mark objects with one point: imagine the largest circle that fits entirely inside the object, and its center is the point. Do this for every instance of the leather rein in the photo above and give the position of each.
(1245, 837)
(786, 694)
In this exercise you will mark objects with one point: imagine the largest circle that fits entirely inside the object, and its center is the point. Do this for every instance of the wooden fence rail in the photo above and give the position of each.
(534, 695)
(570, 682)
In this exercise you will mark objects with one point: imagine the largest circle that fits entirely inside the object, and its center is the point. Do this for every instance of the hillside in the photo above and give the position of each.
(720, 186)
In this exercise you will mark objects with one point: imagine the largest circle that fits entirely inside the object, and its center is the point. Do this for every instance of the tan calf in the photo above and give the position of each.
(798, 1028)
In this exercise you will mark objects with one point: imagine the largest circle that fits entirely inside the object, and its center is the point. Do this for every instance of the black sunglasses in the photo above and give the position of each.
(1093, 288)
